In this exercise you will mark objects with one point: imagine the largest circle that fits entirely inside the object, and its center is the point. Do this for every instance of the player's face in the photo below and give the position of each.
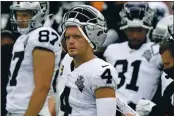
(136, 36)
(167, 59)
(75, 42)
(22, 18)
(168, 62)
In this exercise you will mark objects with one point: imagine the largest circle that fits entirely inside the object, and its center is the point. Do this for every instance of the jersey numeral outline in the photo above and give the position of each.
(64, 99)
(44, 37)
(134, 78)
(20, 56)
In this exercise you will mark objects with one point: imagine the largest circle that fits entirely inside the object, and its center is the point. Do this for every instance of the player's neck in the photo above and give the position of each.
(82, 59)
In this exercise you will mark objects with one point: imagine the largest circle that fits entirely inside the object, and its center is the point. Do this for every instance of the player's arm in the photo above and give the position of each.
(52, 105)
(105, 101)
(104, 86)
(43, 65)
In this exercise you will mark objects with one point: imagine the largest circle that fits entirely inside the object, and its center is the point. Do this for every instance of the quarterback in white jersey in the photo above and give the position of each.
(35, 60)
(137, 61)
(89, 89)
(66, 69)
(76, 88)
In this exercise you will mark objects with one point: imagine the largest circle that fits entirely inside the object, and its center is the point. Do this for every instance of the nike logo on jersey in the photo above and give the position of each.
(105, 66)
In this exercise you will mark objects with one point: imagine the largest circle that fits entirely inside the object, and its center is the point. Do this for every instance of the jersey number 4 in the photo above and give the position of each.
(65, 107)
(136, 66)
(20, 56)
(107, 75)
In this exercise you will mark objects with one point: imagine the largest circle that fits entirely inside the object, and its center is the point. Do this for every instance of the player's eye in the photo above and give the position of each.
(67, 37)
(76, 37)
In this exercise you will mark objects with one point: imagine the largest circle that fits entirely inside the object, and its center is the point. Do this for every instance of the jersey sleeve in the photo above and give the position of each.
(106, 77)
(44, 37)
(109, 52)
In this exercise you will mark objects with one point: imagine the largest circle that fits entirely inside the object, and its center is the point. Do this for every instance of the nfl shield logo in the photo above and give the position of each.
(148, 55)
(79, 82)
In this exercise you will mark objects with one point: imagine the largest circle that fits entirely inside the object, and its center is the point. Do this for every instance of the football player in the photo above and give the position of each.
(164, 107)
(89, 87)
(139, 68)
(36, 55)
(65, 69)
(159, 34)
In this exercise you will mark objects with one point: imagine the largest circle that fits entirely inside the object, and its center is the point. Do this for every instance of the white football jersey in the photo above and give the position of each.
(76, 88)
(21, 80)
(139, 70)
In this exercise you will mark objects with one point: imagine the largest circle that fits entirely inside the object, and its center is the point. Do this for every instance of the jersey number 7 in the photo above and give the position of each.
(20, 56)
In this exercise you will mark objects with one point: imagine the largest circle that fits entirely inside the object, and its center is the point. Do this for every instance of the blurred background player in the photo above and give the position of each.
(139, 70)
(7, 42)
(165, 107)
(31, 75)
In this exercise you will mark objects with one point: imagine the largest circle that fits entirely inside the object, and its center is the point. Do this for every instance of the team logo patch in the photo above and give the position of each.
(79, 82)
(147, 54)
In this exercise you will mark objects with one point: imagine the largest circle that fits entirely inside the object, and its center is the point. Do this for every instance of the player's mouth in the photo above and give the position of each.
(72, 48)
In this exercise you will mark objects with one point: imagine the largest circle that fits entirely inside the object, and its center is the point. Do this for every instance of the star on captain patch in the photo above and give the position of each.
(79, 82)
(148, 55)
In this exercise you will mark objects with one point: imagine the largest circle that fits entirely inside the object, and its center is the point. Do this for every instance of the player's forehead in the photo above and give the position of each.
(23, 12)
(136, 29)
(72, 30)
(167, 54)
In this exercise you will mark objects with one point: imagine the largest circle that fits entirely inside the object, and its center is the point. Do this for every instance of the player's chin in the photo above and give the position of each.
(22, 25)
(135, 44)
(72, 54)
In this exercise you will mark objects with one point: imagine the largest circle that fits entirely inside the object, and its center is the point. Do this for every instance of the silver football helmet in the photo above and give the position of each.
(136, 14)
(160, 8)
(161, 30)
(169, 39)
(93, 24)
(39, 11)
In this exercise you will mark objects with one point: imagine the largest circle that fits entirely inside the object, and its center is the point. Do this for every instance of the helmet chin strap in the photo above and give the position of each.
(84, 35)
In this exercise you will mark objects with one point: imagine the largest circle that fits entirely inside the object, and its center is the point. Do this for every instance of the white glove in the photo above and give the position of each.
(144, 107)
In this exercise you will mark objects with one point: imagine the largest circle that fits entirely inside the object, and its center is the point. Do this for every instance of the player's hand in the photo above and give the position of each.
(144, 107)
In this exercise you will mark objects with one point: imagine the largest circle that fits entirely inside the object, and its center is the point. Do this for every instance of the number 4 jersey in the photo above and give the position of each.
(138, 70)
(21, 78)
(76, 88)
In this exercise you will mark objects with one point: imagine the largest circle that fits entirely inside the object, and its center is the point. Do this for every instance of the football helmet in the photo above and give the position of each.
(93, 23)
(169, 39)
(161, 31)
(136, 14)
(39, 11)
(160, 8)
